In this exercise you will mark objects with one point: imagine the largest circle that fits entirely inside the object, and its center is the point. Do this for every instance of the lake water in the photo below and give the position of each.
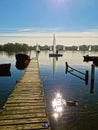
(84, 116)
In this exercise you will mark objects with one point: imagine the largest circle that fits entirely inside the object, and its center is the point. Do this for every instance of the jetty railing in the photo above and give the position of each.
(85, 78)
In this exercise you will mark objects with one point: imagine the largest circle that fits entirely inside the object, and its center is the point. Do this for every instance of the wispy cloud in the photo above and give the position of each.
(39, 29)
(45, 36)
(30, 33)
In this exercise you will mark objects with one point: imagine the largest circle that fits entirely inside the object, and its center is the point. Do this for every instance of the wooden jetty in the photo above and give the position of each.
(25, 107)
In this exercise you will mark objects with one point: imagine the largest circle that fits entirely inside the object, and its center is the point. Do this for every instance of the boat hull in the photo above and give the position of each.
(55, 55)
(5, 73)
(90, 58)
(22, 57)
(22, 65)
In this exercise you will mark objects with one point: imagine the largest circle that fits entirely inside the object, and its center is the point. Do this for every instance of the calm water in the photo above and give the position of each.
(82, 117)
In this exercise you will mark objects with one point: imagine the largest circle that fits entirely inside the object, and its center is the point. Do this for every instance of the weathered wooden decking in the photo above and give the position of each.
(25, 108)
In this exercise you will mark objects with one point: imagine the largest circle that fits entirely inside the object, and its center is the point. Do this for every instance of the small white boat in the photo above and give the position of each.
(37, 48)
(89, 49)
(78, 48)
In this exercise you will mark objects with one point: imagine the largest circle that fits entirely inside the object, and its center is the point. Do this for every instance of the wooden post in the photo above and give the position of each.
(92, 78)
(66, 67)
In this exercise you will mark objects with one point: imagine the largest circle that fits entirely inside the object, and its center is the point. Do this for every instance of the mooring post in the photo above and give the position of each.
(66, 67)
(92, 78)
(86, 77)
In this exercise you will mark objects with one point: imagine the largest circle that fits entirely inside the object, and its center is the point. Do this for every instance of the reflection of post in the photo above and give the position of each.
(92, 78)
(72, 69)
(86, 77)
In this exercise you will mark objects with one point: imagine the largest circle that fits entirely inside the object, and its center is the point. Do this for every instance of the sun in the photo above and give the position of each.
(56, 4)
(61, 2)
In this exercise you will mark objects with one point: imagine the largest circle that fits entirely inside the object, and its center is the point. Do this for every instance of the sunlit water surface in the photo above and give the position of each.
(84, 115)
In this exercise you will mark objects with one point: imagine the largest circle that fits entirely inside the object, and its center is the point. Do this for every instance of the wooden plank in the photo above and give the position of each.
(37, 126)
(23, 116)
(25, 104)
(11, 100)
(37, 98)
(10, 112)
(23, 121)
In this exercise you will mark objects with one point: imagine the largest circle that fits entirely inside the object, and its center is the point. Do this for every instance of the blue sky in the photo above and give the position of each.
(33, 21)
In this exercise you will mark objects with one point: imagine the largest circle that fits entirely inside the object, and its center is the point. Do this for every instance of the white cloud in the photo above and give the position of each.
(27, 35)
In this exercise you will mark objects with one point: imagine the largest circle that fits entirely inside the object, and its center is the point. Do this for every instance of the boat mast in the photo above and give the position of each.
(54, 45)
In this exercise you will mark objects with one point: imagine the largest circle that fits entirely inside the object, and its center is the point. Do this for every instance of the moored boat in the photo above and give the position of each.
(22, 65)
(5, 67)
(90, 58)
(55, 52)
(22, 57)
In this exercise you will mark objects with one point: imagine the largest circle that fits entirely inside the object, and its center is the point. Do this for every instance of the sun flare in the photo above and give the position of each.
(61, 1)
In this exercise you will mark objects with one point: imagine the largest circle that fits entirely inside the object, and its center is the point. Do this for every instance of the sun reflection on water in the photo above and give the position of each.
(58, 105)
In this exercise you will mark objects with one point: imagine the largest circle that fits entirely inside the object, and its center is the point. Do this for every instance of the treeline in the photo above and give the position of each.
(17, 47)
(71, 48)
(14, 47)
(82, 48)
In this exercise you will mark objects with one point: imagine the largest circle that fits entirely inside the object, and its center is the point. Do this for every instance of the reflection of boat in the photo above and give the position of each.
(5, 73)
(5, 67)
(90, 58)
(37, 48)
(54, 65)
(55, 52)
(22, 57)
(55, 55)
(22, 65)
(95, 62)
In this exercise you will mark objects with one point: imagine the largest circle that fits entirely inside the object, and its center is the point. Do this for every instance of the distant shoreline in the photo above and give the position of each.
(17, 47)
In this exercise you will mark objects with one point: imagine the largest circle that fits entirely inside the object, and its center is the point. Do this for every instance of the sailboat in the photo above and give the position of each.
(55, 52)
(63, 48)
(78, 48)
(89, 49)
(37, 48)
(50, 48)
